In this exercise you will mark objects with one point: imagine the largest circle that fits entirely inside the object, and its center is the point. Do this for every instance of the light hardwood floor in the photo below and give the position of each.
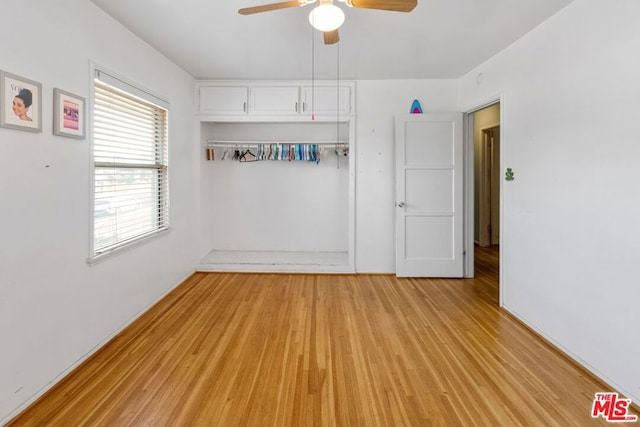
(228, 349)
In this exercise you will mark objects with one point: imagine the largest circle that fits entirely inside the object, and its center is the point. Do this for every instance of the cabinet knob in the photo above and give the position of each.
(401, 205)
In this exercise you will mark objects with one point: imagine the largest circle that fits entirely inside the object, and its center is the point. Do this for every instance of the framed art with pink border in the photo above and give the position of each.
(69, 118)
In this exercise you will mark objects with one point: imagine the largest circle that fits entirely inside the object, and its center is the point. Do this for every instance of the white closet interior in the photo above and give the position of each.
(278, 215)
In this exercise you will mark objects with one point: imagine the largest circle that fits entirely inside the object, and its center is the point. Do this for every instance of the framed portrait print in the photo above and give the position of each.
(68, 114)
(20, 103)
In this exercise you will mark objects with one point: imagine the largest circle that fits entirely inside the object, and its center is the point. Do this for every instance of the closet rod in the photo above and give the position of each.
(219, 143)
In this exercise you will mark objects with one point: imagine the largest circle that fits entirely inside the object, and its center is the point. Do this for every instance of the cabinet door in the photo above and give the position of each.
(275, 100)
(223, 99)
(324, 100)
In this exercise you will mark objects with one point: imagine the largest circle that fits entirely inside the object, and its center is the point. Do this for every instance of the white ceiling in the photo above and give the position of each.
(439, 39)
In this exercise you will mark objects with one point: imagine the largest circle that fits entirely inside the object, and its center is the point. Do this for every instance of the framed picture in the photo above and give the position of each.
(20, 103)
(68, 114)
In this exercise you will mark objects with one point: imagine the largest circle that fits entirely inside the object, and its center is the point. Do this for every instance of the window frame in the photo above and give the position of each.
(137, 91)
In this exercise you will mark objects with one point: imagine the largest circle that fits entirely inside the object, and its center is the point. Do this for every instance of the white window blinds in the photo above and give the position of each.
(130, 166)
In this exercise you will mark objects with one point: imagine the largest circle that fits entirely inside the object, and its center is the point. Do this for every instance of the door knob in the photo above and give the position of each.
(401, 205)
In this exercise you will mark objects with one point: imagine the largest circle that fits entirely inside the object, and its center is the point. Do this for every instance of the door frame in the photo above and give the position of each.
(468, 226)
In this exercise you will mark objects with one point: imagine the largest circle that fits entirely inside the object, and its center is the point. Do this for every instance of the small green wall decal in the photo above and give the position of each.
(509, 175)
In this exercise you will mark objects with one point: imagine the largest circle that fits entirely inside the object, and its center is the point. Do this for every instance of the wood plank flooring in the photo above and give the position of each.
(227, 349)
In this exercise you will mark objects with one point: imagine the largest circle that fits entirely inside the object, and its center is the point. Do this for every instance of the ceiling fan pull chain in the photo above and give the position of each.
(313, 75)
(337, 103)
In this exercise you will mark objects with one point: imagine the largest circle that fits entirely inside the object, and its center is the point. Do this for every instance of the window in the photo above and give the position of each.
(130, 164)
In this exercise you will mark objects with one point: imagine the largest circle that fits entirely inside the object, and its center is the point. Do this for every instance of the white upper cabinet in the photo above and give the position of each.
(325, 100)
(296, 100)
(274, 100)
(225, 100)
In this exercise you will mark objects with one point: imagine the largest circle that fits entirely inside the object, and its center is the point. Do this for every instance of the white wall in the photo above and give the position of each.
(54, 307)
(276, 205)
(570, 131)
(378, 103)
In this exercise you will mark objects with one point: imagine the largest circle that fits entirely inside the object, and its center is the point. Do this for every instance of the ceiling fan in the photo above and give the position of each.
(327, 17)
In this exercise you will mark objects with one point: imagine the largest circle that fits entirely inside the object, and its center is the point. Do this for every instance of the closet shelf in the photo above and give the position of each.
(220, 143)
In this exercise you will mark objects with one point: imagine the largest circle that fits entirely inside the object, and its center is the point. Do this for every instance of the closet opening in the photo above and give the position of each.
(277, 196)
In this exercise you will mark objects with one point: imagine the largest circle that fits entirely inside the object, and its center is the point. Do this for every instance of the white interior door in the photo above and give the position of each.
(429, 194)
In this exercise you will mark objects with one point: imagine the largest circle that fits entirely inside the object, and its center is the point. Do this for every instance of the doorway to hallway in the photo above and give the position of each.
(488, 176)
(485, 131)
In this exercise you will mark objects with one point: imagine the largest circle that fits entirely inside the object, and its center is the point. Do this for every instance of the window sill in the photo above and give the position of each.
(125, 247)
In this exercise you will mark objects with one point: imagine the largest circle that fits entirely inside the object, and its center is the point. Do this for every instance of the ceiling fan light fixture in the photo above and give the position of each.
(326, 17)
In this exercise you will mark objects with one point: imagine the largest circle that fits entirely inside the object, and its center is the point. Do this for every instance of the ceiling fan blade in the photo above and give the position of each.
(393, 5)
(331, 37)
(269, 7)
